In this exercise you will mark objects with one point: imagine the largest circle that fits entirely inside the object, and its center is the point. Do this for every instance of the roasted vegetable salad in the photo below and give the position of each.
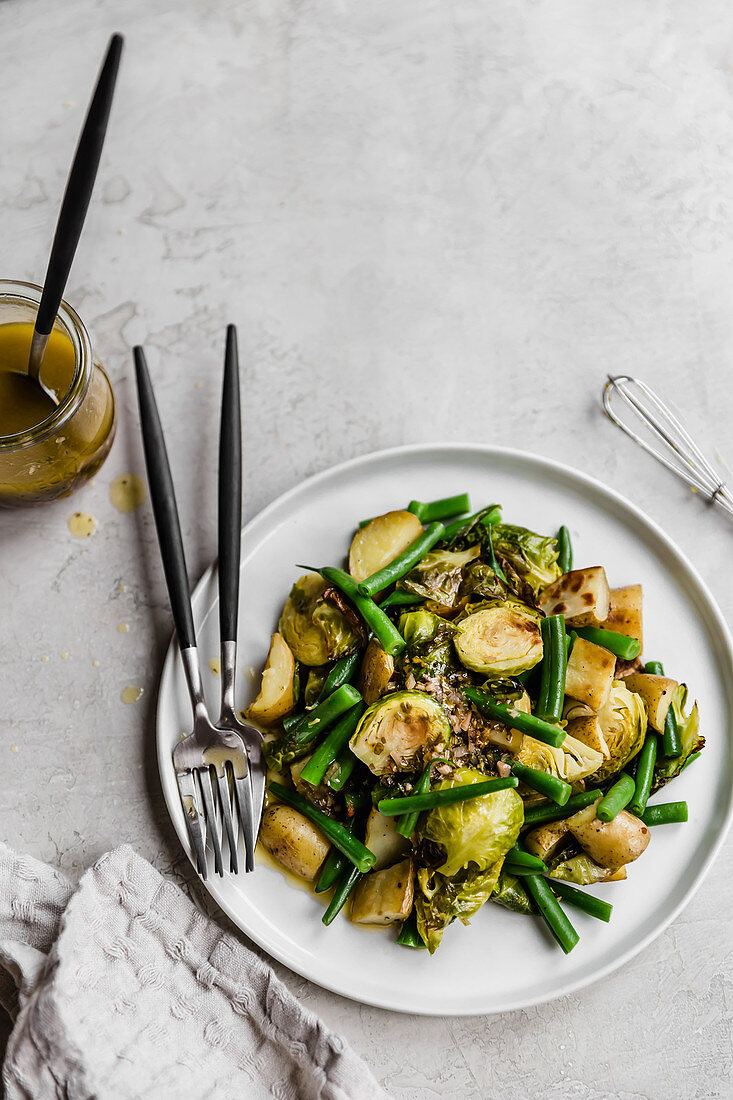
(461, 717)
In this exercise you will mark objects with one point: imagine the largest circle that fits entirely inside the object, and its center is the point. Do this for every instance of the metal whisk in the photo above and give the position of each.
(679, 452)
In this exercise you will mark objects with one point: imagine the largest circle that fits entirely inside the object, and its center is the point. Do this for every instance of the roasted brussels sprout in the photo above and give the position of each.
(584, 871)
(623, 725)
(478, 831)
(440, 900)
(572, 762)
(499, 639)
(691, 741)
(381, 541)
(428, 642)
(276, 697)
(315, 630)
(533, 557)
(510, 893)
(481, 583)
(439, 575)
(396, 728)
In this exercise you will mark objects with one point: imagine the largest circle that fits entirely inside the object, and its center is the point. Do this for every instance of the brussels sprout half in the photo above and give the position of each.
(395, 728)
(499, 639)
(623, 723)
(315, 630)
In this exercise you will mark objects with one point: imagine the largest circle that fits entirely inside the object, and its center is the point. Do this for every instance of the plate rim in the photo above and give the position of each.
(588, 481)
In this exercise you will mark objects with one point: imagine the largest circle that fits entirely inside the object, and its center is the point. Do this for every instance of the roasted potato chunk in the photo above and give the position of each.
(582, 596)
(656, 693)
(589, 674)
(625, 612)
(385, 897)
(613, 843)
(293, 841)
(546, 840)
(380, 542)
(382, 838)
(276, 698)
(377, 669)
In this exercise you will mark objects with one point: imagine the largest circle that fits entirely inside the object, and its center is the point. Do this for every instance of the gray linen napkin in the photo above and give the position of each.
(121, 988)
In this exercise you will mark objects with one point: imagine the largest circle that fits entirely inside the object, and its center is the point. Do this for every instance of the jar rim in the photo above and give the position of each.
(29, 294)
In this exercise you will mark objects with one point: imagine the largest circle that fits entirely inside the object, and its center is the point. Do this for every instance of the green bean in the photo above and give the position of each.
(331, 746)
(554, 665)
(517, 869)
(344, 887)
(671, 742)
(293, 720)
(539, 815)
(644, 774)
(615, 798)
(403, 563)
(345, 764)
(654, 668)
(667, 813)
(544, 783)
(356, 801)
(325, 714)
(564, 550)
(515, 719)
(407, 824)
(391, 807)
(619, 644)
(409, 935)
(520, 858)
(400, 599)
(594, 906)
(334, 831)
(439, 509)
(383, 628)
(333, 865)
(492, 556)
(341, 673)
(551, 911)
(457, 526)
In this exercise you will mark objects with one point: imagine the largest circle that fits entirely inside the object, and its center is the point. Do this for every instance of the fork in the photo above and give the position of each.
(230, 535)
(207, 749)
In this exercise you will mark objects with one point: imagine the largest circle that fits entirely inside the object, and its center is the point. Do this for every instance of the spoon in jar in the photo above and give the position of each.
(74, 208)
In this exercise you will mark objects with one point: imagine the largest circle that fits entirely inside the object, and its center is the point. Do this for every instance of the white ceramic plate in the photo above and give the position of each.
(502, 961)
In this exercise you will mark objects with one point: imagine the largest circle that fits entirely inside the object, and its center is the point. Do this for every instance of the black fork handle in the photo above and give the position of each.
(230, 492)
(165, 509)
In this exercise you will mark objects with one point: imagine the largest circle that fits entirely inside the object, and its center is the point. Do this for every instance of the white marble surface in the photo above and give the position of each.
(430, 220)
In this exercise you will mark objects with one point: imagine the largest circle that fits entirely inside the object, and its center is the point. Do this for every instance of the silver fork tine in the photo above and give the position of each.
(194, 820)
(207, 793)
(243, 791)
(226, 811)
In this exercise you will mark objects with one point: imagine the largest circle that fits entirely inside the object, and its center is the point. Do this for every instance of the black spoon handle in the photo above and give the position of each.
(165, 510)
(78, 189)
(230, 492)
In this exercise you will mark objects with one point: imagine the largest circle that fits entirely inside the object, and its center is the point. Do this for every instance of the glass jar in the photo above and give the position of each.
(51, 458)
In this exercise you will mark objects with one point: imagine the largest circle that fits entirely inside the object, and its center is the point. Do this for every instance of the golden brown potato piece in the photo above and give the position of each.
(582, 596)
(384, 897)
(294, 841)
(625, 612)
(380, 542)
(589, 674)
(382, 838)
(276, 698)
(656, 693)
(587, 728)
(613, 843)
(377, 669)
(545, 840)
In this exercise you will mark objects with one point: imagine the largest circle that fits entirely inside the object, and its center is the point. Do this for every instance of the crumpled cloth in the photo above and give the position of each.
(120, 987)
